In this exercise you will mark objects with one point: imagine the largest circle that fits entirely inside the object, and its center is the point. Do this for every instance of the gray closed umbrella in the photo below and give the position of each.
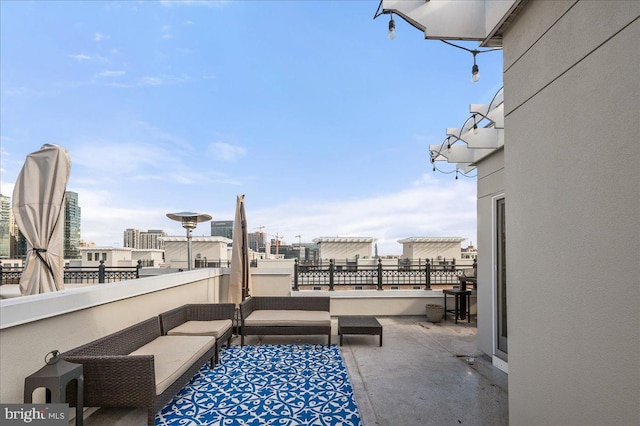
(38, 199)
(240, 276)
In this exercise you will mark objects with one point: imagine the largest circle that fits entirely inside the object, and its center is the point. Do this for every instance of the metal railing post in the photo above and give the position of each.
(379, 274)
(427, 274)
(295, 275)
(0, 273)
(101, 272)
(331, 269)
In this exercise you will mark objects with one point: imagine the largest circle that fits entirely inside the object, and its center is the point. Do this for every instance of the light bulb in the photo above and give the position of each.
(475, 73)
(475, 129)
(392, 29)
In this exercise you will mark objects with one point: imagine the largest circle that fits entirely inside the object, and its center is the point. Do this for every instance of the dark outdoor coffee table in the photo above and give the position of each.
(359, 325)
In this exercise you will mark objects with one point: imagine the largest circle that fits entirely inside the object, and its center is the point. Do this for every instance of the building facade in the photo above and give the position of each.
(344, 248)
(206, 251)
(5, 227)
(151, 239)
(258, 241)
(131, 238)
(222, 228)
(447, 248)
(72, 217)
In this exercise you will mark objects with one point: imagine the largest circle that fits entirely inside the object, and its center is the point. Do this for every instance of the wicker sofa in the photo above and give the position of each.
(202, 319)
(284, 315)
(139, 367)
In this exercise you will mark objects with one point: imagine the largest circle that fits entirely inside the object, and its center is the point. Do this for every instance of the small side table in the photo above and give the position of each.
(55, 376)
(462, 304)
(359, 325)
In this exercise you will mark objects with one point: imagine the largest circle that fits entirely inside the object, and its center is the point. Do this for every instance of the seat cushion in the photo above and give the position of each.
(288, 318)
(214, 328)
(173, 355)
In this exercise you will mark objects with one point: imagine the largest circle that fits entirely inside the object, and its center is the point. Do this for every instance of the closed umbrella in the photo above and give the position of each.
(240, 279)
(38, 199)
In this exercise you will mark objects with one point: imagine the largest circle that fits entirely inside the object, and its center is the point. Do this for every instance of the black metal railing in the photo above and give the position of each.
(204, 263)
(81, 274)
(408, 273)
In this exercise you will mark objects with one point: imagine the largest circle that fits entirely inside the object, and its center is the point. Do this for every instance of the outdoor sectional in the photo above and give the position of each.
(203, 319)
(285, 316)
(140, 367)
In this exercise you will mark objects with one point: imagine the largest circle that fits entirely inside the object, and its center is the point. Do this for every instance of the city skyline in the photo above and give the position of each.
(168, 107)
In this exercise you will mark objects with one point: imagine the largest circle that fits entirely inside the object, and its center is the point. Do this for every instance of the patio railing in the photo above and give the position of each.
(421, 274)
(81, 274)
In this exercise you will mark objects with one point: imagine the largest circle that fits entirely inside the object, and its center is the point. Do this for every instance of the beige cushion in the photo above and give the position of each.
(288, 317)
(173, 355)
(201, 328)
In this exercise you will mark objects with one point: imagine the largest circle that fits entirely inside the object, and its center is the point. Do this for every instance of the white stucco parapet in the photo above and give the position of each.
(432, 240)
(344, 240)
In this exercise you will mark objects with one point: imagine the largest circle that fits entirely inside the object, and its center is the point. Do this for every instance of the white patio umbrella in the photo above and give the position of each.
(38, 199)
(240, 279)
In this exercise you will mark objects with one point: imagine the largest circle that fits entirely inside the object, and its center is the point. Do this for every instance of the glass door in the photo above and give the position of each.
(501, 281)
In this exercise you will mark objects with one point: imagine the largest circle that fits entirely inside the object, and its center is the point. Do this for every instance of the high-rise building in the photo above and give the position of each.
(151, 239)
(257, 241)
(5, 227)
(132, 238)
(222, 228)
(71, 226)
(18, 241)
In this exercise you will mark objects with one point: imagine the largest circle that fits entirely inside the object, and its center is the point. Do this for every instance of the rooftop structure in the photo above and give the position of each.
(344, 247)
(431, 247)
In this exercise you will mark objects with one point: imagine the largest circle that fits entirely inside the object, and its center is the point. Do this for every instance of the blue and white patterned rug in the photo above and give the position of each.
(268, 385)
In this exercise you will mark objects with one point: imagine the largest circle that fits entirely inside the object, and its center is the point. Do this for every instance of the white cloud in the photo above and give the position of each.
(226, 152)
(430, 209)
(129, 157)
(80, 57)
(205, 3)
(149, 81)
(109, 73)
(100, 37)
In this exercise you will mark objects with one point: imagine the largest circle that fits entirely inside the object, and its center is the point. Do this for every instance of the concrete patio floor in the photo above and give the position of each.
(424, 374)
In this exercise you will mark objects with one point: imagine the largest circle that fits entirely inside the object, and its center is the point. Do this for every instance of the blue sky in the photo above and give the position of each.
(306, 107)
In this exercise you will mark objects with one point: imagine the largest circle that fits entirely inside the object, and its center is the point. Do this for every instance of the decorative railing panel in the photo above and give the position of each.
(81, 274)
(421, 274)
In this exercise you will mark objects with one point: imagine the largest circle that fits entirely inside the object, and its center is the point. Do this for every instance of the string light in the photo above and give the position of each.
(392, 28)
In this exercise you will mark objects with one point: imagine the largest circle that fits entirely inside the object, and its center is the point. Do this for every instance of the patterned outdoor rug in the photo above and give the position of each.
(268, 385)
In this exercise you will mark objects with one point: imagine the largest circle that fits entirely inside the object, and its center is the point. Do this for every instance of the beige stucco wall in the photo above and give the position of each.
(381, 303)
(431, 250)
(271, 281)
(490, 186)
(176, 252)
(344, 250)
(57, 321)
(572, 154)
